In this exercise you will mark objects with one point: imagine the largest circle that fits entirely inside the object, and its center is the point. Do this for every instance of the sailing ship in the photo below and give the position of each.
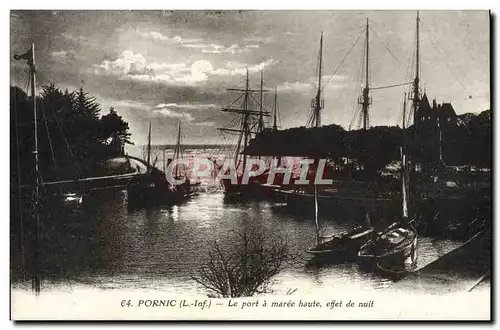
(187, 188)
(343, 191)
(397, 243)
(148, 189)
(278, 162)
(251, 122)
(155, 187)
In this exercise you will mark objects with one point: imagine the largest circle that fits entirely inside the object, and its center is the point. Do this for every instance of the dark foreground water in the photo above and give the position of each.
(106, 245)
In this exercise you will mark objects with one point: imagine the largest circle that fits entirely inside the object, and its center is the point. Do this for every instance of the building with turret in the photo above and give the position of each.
(428, 116)
(431, 125)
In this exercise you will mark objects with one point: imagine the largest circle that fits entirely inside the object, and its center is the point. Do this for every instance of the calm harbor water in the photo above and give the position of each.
(107, 245)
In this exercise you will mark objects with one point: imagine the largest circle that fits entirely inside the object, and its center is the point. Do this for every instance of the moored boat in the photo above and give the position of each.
(395, 245)
(344, 245)
(155, 187)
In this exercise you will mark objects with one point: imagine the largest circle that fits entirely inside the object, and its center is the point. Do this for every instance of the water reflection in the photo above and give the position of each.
(110, 246)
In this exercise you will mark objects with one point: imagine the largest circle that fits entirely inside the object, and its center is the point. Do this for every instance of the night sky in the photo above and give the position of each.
(166, 66)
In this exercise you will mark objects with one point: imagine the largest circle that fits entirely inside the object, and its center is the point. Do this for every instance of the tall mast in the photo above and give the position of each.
(404, 183)
(440, 149)
(178, 150)
(261, 108)
(164, 169)
(317, 115)
(416, 96)
(404, 167)
(365, 102)
(317, 103)
(36, 265)
(149, 147)
(245, 120)
(30, 57)
(244, 130)
(316, 222)
(404, 114)
(275, 121)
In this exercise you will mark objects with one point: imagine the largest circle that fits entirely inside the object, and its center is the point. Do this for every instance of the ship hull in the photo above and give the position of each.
(252, 190)
(395, 256)
(148, 192)
(345, 246)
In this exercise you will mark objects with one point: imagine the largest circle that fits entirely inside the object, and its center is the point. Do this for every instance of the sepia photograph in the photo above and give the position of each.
(250, 165)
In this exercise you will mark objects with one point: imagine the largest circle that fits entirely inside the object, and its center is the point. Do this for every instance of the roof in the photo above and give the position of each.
(447, 109)
(444, 109)
(424, 102)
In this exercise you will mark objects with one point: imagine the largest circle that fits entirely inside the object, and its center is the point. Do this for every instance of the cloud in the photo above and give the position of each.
(127, 63)
(258, 39)
(154, 35)
(205, 124)
(125, 104)
(296, 87)
(69, 36)
(176, 115)
(222, 49)
(207, 48)
(172, 110)
(203, 46)
(190, 106)
(133, 66)
(63, 55)
(236, 68)
(130, 65)
(311, 84)
(233, 49)
(166, 110)
(170, 68)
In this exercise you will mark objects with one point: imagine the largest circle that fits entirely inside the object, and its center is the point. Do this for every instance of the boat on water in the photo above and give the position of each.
(397, 243)
(157, 187)
(351, 185)
(251, 122)
(345, 245)
(188, 187)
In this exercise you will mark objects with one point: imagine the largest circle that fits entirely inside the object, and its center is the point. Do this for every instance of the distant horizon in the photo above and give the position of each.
(208, 144)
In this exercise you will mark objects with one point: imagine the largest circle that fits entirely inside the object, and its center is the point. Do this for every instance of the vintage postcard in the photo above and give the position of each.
(250, 165)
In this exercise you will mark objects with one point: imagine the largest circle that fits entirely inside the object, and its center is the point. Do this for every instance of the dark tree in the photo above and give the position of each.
(70, 134)
(243, 269)
(114, 131)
